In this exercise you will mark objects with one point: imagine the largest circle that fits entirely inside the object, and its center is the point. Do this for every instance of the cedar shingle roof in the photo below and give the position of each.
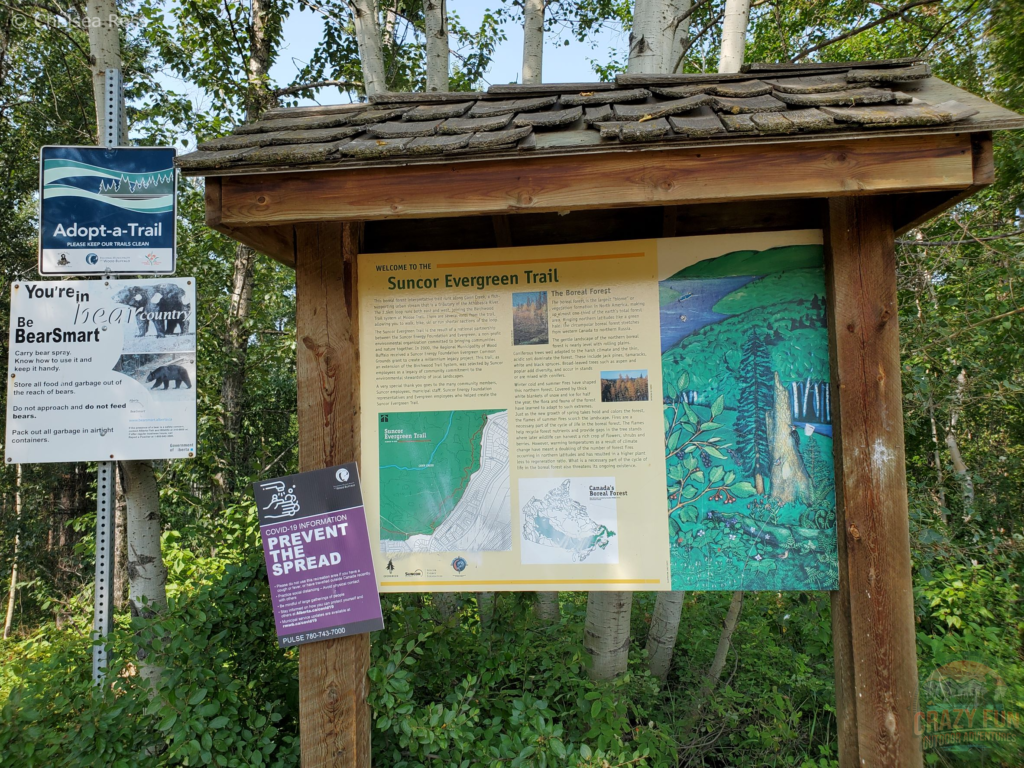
(768, 102)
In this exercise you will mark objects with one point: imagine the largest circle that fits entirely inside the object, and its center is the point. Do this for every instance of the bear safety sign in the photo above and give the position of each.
(101, 370)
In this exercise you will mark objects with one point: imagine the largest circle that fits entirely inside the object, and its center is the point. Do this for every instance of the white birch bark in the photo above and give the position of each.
(147, 574)
(646, 39)
(676, 35)
(606, 633)
(725, 640)
(445, 603)
(661, 640)
(533, 42)
(959, 465)
(547, 607)
(105, 48)
(9, 620)
(435, 15)
(485, 607)
(364, 19)
(734, 35)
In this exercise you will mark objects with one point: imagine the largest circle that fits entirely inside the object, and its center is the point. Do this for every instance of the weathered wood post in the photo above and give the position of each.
(333, 684)
(873, 610)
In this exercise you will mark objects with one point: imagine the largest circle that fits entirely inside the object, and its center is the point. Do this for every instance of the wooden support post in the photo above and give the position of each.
(333, 684)
(873, 611)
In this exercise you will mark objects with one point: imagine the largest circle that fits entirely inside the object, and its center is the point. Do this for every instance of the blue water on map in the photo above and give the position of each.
(692, 311)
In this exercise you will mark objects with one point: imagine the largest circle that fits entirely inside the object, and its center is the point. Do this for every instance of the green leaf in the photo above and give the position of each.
(716, 473)
(167, 722)
(717, 406)
(595, 710)
(743, 489)
(712, 451)
(219, 722)
(585, 752)
(196, 697)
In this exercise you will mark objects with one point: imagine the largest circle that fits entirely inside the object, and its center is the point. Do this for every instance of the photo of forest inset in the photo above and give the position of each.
(623, 386)
(530, 318)
(748, 422)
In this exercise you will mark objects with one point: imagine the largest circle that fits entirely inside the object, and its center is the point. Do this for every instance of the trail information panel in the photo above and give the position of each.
(609, 416)
(106, 210)
(317, 549)
(101, 370)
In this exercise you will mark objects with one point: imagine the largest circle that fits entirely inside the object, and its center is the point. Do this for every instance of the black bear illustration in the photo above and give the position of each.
(165, 374)
(161, 303)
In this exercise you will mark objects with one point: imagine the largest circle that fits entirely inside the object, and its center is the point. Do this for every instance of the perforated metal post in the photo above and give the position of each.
(103, 613)
(112, 106)
(103, 609)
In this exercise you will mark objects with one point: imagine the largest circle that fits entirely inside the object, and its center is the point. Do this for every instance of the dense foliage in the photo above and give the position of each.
(505, 689)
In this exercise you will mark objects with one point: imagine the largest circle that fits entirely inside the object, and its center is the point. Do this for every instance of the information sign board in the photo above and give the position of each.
(319, 562)
(647, 415)
(101, 370)
(106, 210)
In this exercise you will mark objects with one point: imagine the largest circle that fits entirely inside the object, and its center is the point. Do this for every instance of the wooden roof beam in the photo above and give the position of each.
(886, 165)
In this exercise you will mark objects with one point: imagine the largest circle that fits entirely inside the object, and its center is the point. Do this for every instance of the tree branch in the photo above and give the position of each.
(88, 56)
(961, 242)
(864, 27)
(309, 86)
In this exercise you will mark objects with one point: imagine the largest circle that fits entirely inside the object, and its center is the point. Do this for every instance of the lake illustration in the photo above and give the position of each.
(748, 433)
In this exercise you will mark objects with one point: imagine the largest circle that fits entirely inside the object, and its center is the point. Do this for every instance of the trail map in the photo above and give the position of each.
(444, 482)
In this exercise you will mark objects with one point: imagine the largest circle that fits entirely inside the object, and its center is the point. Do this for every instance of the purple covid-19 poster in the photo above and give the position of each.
(317, 548)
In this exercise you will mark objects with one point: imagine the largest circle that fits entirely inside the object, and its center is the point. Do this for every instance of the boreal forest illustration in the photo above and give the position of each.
(748, 433)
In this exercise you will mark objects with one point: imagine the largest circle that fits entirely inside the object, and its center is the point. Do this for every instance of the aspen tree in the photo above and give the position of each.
(364, 19)
(734, 35)
(435, 16)
(533, 41)
(147, 574)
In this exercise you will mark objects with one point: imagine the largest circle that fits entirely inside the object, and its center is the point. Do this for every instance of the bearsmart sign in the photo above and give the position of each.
(101, 370)
(106, 210)
(317, 549)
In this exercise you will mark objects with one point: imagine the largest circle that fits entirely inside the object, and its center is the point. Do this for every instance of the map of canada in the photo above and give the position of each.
(444, 482)
(557, 528)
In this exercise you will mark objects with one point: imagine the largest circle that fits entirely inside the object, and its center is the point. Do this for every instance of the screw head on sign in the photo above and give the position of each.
(190, 454)
(111, 455)
(12, 375)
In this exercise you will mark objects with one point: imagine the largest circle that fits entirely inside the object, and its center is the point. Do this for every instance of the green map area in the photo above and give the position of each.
(426, 460)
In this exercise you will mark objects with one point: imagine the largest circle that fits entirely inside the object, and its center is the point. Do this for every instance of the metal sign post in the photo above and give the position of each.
(106, 494)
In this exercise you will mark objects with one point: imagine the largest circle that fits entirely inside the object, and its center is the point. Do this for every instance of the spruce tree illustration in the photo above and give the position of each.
(756, 394)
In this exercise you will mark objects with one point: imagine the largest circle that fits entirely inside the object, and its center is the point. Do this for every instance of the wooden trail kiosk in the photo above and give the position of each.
(863, 151)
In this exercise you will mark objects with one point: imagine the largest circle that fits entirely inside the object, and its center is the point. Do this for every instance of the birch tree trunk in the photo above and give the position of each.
(105, 49)
(446, 605)
(9, 620)
(959, 466)
(734, 35)
(606, 633)
(120, 589)
(485, 607)
(676, 35)
(724, 641)
(661, 640)
(364, 18)
(147, 574)
(435, 15)
(647, 37)
(547, 607)
(533, 41)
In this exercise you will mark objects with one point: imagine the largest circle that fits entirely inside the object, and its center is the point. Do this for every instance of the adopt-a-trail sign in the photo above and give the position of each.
(107, 210)
(101, 370)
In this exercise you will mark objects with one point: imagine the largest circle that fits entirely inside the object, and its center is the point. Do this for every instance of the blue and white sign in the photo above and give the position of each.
(107, 210)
